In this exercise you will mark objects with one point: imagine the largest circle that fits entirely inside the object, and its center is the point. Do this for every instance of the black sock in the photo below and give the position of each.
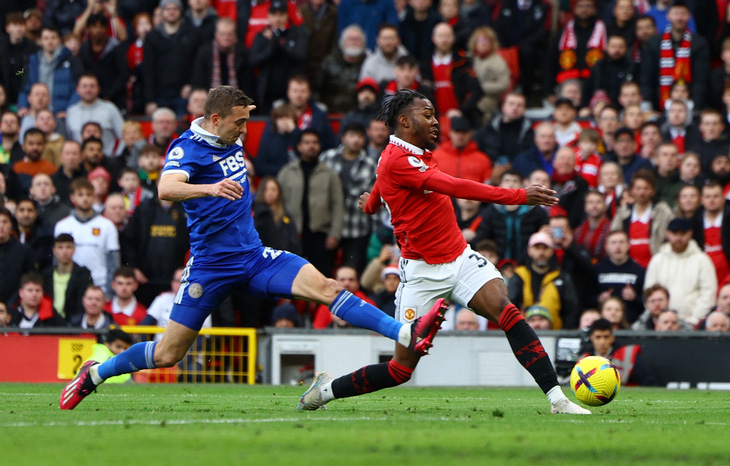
(371, 378)
(527, 348)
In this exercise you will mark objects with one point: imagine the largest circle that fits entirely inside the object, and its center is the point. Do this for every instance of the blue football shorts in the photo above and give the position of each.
(206, 282)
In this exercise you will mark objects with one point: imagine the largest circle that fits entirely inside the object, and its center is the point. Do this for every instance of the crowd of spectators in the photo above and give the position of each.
(621, 106)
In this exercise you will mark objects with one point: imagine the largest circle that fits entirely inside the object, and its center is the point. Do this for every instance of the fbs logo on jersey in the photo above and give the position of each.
(410, 313)
(96, 231)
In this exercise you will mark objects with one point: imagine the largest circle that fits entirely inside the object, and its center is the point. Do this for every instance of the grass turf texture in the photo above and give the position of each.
(223, 424)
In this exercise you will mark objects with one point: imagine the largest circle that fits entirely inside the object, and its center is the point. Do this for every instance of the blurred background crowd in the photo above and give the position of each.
(621, 106)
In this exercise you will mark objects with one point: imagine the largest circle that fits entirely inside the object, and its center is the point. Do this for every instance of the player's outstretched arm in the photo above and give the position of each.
(466, 189)
(538, 194)
(174, 187)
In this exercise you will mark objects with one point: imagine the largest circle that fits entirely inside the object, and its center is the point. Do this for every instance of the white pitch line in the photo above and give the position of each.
(303, 419)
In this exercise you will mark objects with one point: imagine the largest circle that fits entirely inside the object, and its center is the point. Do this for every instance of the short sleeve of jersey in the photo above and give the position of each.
(409, 171)
(180, 159)
(112, 238)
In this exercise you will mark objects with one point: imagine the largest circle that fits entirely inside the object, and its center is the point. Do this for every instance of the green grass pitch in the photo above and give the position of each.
(259, 425)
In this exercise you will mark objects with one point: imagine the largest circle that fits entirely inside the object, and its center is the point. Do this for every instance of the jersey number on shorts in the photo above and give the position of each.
(481, 261)
(271, 253)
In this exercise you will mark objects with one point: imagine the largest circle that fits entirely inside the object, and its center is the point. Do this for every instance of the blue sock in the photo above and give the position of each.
(139, 356)
(354, 310)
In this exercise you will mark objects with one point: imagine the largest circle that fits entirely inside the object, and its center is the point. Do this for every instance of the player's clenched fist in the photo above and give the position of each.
(228, 189)
(363, 201)
(538, 194)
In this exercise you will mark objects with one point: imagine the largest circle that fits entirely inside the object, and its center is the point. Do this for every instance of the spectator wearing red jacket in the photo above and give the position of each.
(460, 157)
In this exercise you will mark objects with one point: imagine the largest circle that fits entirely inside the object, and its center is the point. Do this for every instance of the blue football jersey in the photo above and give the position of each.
(217, 226)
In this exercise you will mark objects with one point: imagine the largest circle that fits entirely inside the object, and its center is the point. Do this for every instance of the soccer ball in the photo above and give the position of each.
(595, 381)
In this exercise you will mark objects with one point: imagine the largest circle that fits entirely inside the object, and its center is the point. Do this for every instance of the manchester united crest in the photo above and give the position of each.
(593, 56)
(567, 59)
(409, 314)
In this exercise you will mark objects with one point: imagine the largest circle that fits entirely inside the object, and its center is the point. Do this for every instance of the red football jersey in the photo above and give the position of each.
(424, 222)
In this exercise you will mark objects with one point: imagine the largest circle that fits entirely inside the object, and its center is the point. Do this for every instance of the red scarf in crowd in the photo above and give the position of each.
(568, 45)
(216, 78)
(674, 66)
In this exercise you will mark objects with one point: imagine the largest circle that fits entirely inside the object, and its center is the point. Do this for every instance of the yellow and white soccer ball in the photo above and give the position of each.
(595, 381)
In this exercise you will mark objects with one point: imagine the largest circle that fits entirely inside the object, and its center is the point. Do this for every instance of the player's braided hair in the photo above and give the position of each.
(393, 108)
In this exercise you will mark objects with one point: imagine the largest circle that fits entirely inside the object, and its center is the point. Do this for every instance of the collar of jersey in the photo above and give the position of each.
(406, 145)
(209, 137)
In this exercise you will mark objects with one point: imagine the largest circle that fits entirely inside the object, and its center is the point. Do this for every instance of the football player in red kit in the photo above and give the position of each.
(436, 262)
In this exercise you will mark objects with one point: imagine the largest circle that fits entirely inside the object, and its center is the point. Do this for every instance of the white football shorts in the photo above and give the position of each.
(421, 284)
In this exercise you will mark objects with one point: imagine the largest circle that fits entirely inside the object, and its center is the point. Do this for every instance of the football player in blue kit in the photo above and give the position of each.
(206, 171)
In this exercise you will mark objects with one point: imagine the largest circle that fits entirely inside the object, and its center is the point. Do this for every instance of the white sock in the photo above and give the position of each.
(404, 335)
(555, 394)
(94, 373)
(326, 392)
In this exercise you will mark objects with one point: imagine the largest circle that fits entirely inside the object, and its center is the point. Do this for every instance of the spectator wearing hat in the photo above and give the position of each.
(540, 281)
(385, 300)
(624, 148)
(167, 47)
(380, 64)
(278, 51)
(643, 220)
(101, 180)
(285, 316)
(357, 174)
(675, 55)
(682, 267)
(539, 318)
(609, 72)
(567, 129)
(460, 157)
(367, 108)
